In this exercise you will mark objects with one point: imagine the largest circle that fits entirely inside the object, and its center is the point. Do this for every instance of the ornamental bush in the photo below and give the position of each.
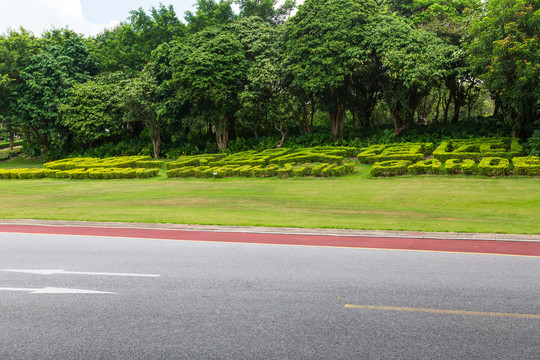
(476, 149)
(494, 166)
(457, 166)
(390, 168)
(432, 166)
(527, 165)
(405, 151)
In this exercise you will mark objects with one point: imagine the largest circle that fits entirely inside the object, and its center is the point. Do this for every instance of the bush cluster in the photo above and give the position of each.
(527, 165)
(457, 166)
(89, 162)
(266, 163)
(431, 166)
(390, 168)
(476, 149)
(8, 154)
(78, 174)
(386, 152)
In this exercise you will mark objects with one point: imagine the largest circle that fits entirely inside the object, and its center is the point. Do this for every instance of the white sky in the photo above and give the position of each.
(88, 17)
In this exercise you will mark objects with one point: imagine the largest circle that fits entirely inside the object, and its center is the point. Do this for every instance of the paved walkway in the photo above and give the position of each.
(282, 230)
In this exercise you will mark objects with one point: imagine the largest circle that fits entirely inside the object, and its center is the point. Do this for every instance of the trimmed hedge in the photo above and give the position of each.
(390, 168)
(149, 164)
(386, 152)
(432, 166)
(87, 163)
(457, 166)
(527, 165)
(476, 149)
(8, 154)
(494, 166)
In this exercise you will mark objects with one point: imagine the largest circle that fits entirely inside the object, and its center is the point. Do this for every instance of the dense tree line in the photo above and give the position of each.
(342, 65)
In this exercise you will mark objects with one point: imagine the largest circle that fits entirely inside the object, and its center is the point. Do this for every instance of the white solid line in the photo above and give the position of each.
(59, 271)
(54, 290)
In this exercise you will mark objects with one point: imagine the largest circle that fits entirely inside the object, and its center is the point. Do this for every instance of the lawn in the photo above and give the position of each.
(422, 203)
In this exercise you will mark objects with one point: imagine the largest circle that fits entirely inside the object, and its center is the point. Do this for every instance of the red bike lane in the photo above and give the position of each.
(500, 247)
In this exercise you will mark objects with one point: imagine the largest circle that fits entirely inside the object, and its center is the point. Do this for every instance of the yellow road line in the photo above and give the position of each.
(440, 311)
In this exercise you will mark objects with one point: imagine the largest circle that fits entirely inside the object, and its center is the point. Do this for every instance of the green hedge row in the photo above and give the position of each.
(321, 170)
(488, 166)
(5, 144)
(8, 154)
(93, 173)
(88, 163)
(527, 165)
(476, 149)
(263, 158)
(387, 152)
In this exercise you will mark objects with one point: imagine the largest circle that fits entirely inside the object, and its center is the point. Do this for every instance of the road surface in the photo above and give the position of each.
(98, 297)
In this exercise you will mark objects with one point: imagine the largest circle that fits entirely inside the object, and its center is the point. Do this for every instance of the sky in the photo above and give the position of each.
(87, 17)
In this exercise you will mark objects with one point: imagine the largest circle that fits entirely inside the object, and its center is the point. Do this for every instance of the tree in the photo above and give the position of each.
(266, 10)
(141, 103)
(449, 20)
(16, 50)
(209, 71)
(130, 44)
(324, 49)
(47, 82)
(411, 62)
(209, 13)
(93, 110)
(505, 51)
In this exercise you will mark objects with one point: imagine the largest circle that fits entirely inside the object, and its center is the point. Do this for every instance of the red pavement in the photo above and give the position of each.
(443, 245)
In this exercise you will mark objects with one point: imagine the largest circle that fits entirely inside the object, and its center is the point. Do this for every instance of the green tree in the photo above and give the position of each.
(267, 10)
(411, 62)
(130, 44)
(324, 49)
(141, 103)
(209, 13)
(16, 50)
(47, 82)
(209, 72)
(505, 50)
(93, 111)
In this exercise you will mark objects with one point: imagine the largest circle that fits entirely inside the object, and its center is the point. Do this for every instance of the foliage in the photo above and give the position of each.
(504, 49)
(527, 165)
(390, 168)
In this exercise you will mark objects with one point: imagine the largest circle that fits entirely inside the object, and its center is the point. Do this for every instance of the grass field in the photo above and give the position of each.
(423, 203)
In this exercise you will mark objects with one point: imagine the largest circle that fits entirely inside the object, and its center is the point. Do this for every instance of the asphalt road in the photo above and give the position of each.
(252, 301)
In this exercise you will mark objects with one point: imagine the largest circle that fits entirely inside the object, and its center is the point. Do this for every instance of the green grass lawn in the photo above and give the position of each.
(422, 203)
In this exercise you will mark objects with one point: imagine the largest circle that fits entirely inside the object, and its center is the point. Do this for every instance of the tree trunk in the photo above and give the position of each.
(256, 127)
(156, 141)
(337, 121)
(222, 133)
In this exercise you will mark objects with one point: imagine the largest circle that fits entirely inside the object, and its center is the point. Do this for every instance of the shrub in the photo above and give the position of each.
(149, 164)
(476, 149)
(494, 166)
(527, 165)
(405, 151)
(457, 166)
(390, 168)
(285, 171)
(432, 166)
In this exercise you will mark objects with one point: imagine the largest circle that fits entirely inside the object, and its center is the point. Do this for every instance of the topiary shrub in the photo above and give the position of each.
(390, 168)
(432, 166)
(457, 166)
(494, 166)
(527, 165)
